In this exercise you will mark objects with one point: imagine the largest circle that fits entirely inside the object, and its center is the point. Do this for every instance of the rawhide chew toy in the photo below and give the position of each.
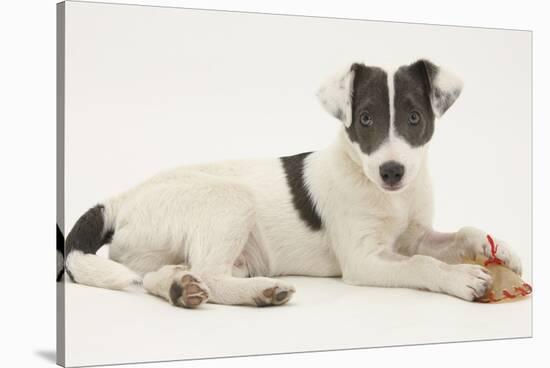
(507, 285)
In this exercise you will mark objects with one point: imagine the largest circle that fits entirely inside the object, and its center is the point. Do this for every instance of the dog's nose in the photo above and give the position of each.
(392, 172)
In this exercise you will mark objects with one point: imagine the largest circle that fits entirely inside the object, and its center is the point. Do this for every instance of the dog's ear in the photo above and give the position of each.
(336, 95)
(445, 87)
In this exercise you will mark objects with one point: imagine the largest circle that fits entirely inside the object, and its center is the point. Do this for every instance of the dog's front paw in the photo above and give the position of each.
(505, 253)
(467, 281)
(478, 244)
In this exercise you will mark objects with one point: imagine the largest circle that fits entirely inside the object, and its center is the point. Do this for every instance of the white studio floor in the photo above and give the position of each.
(104, 326)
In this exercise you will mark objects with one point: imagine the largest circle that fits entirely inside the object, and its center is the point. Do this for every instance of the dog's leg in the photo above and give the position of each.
(221, 248)
(255, 291)
(385, 268)
(217, 242)
(455, 247)
(177, 285)
(184, 288)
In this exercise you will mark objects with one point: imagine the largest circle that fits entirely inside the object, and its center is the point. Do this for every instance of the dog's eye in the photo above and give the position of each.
(414, 118)
(365, 119)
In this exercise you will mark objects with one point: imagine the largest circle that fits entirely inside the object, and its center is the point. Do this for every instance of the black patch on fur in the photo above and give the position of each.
(370, 94)
(88, 234)
(175, 292)
(60, 249)
(301, 198)
(412, 93)
(71, 277)
(108, 237)
(60, 241)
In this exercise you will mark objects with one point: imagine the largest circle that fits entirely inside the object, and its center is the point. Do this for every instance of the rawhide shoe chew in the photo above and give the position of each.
(507, 285)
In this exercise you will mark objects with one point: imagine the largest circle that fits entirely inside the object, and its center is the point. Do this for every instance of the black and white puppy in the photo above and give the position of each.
(360, 208)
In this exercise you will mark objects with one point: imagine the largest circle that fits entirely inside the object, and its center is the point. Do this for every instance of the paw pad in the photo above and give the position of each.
(274, 296)
(188, 292)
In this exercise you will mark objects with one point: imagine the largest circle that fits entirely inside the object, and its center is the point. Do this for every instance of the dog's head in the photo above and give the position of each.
(389, 117)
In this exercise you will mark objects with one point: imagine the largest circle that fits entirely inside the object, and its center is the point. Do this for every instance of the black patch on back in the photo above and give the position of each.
(88, 235)
(412, 93)
(370, 94)
(301, 198)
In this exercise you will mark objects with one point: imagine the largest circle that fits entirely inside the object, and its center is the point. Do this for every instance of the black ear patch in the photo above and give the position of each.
(423, 91)
(370, 96)
(412, 96)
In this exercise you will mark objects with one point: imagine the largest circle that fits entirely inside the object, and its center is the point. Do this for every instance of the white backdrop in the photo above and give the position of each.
(28, 151)
(151, 88)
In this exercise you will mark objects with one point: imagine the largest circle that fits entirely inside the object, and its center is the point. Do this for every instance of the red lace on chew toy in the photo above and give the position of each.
(523, 290)
(494, 247)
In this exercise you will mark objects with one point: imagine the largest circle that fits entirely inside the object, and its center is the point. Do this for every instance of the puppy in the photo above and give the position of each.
(360, 209)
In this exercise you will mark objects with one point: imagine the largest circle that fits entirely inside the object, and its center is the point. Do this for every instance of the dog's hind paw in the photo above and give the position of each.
(188, 291)
(275, 295)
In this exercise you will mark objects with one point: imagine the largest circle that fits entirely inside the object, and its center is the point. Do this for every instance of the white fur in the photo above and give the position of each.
(391, 98)
(336, 94)
(394, 149)
(448, 82)
(101, 272)
(229, 220)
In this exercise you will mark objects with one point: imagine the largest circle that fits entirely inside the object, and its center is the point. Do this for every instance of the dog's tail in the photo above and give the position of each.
(92, 230)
